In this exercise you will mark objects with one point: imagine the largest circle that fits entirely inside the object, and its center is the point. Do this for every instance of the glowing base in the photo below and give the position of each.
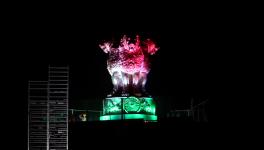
(122, 108)
(129, 116)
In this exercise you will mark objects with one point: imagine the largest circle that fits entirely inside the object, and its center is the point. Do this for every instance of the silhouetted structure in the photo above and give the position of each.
(48, 111)
(37, 115)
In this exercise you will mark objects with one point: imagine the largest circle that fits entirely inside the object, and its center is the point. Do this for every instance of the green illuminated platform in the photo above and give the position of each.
(129, 116)
(122, 108)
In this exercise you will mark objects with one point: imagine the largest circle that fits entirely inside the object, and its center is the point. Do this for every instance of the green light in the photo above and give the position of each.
(112, 105)
(131, 108)
(114, 109)
(132, 104)
(129, 116)
(148, 109)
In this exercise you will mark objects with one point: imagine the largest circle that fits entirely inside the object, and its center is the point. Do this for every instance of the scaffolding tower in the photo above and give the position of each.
(48, 111)
(58, 87)
(37, 115)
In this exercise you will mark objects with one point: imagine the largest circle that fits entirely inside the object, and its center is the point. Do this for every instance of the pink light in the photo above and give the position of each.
(130, 58)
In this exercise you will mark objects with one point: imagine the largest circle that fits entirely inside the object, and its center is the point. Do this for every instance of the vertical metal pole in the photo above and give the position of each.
(103, 108)
(28, 111)
(67, 103)
(48, 98)
(122, 109)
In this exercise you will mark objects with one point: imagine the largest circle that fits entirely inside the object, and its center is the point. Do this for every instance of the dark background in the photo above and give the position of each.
(189, 63)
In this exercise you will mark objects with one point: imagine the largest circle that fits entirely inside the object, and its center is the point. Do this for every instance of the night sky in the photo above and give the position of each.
(187, 65)
(183, 67)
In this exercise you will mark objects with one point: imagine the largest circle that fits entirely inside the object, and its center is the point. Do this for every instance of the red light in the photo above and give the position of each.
(129, 59)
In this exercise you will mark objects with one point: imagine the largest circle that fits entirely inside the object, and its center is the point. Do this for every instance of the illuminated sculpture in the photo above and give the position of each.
(128, 65)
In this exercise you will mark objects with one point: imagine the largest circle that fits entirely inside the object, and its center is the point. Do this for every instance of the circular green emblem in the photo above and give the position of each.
(131, 104)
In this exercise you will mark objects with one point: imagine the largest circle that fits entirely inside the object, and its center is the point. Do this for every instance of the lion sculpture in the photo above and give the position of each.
(128, 65)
